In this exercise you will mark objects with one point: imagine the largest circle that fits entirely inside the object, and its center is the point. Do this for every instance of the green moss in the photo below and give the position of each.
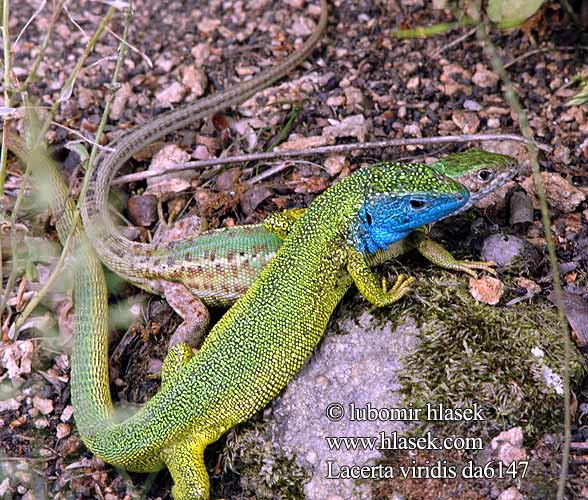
(264, 472)
(471, 352)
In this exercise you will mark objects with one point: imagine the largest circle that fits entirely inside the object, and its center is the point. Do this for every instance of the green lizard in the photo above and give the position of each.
(262, 341)
(163, 432)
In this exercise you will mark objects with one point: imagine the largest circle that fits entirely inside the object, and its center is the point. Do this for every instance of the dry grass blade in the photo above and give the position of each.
(513, 100)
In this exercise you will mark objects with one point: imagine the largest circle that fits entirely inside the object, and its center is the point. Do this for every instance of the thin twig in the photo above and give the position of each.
(82, 137)
(324, 150)
(579, 445)
(524, 56)
(135, 49)
(75, 23)
(28, 23)
(455, 42)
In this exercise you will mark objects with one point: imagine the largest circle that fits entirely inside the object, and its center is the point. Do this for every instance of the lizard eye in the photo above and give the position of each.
(485, 175)
(417, 204)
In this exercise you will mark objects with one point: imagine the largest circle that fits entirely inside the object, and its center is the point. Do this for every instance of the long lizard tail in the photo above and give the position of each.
(90, 390)
(114, 249)
(91, 396)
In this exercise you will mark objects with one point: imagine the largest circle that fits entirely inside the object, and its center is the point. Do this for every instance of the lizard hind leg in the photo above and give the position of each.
(193, 312)
(185, 461)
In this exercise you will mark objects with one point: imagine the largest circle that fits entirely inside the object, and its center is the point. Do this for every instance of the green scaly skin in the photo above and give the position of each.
(218, 266)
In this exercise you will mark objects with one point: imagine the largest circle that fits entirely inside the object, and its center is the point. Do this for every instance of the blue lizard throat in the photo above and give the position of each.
(384, 220)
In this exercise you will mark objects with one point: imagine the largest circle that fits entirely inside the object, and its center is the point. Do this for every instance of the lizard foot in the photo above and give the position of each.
(400, 288)
(468, 266)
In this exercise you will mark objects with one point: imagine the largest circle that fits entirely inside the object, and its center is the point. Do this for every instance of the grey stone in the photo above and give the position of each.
(504, 249)
(360, 366)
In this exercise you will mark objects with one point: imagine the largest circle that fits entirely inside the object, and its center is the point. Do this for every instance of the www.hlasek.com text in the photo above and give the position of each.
(396, 441)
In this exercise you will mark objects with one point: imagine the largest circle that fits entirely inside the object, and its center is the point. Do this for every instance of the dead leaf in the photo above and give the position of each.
(487, 289)
(17, 357)
(251, 198)
(529, 285)
(45, 406)
(576, 312)
(467, 122)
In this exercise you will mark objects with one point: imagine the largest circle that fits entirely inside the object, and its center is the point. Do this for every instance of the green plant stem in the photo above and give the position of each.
(3, 153)
(285, 130)
(511, 96)
(436, 29)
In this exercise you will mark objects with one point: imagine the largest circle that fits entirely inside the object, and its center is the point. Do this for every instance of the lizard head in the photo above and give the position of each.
(480, 171)
(398, 198)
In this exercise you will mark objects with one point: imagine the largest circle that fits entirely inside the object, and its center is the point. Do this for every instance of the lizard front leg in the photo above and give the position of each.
(439, 256)
(369, 285)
